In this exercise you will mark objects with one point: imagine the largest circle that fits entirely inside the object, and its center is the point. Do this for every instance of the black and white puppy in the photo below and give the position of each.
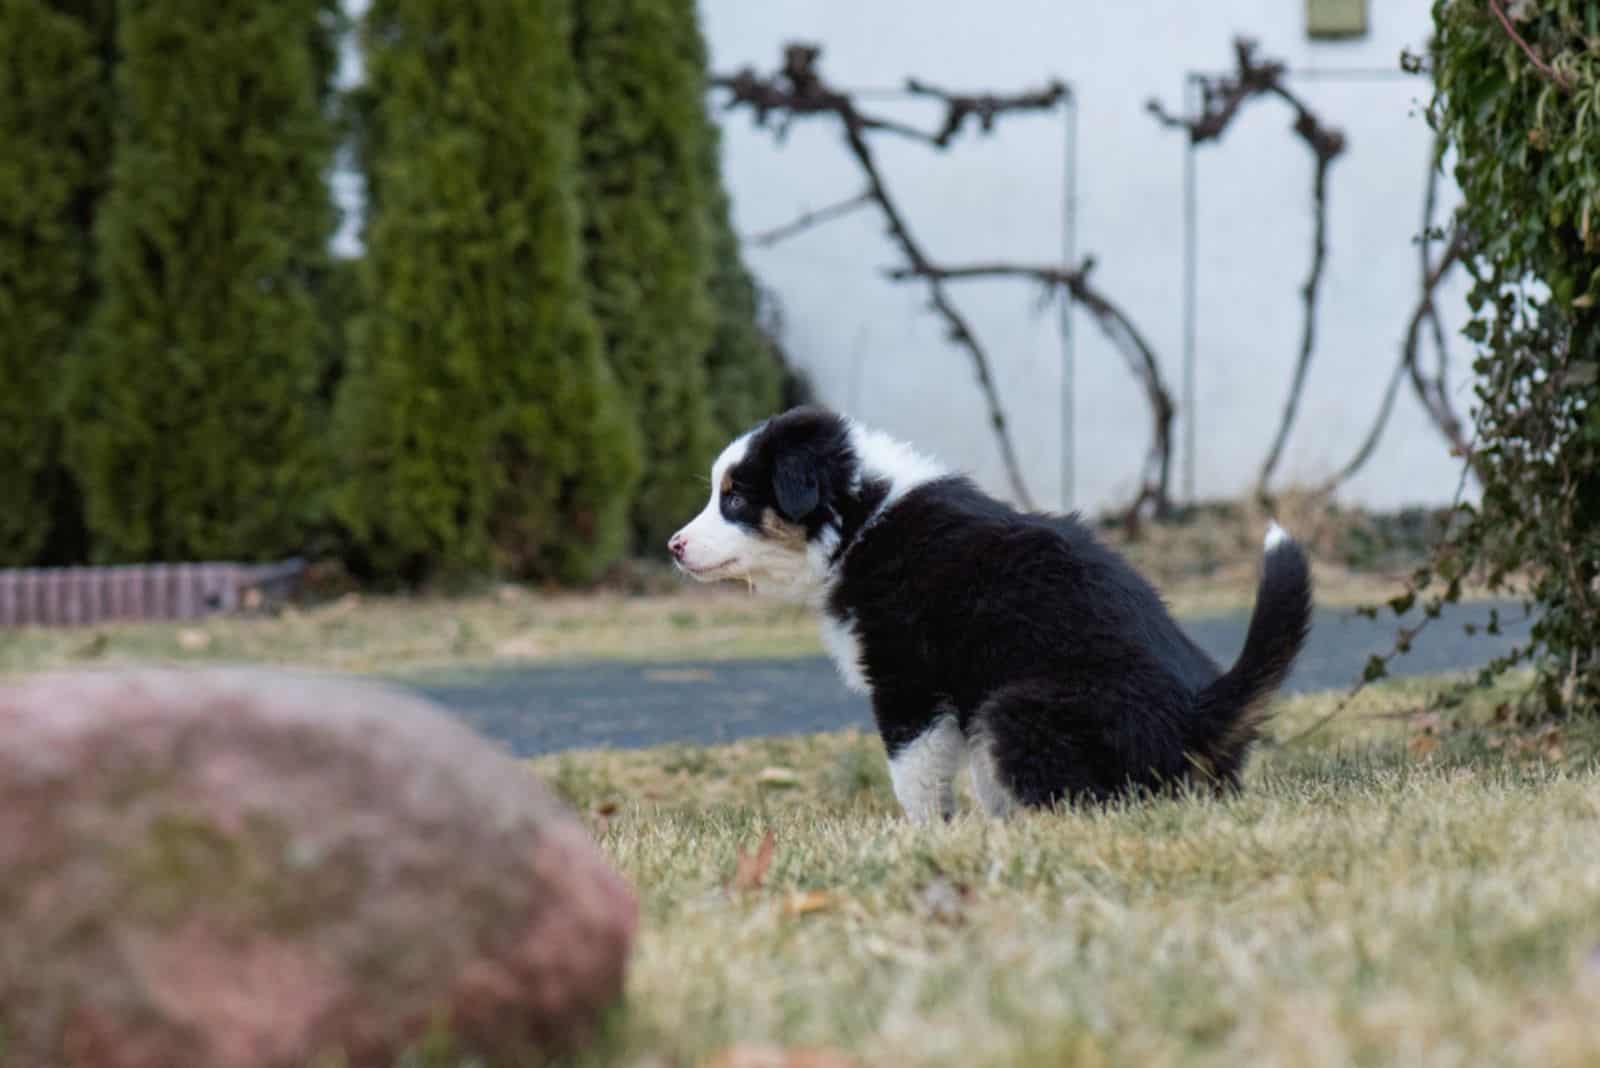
(1015, 640)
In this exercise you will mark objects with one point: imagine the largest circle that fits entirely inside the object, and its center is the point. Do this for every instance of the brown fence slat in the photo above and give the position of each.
(160, 593)
(174, 592)
(74, 591)
(183, 594)
(131, 583)
(32, 590)
(99, 595)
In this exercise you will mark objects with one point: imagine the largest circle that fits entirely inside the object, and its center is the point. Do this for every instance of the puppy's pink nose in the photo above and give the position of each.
(677, 546)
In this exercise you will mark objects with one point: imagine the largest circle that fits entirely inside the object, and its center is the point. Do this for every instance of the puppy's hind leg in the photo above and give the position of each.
(1041, 743)
(991, 792)
(924, 769)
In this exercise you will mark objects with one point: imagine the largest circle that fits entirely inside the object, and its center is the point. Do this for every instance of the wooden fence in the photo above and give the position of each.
(77, 596)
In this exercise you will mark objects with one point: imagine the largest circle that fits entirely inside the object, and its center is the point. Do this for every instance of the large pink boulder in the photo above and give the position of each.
(239, 869)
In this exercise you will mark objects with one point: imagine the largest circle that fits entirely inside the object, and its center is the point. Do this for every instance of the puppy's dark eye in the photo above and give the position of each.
(733, 502)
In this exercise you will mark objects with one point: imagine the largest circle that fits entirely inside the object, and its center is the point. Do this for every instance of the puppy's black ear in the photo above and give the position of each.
(795, 483)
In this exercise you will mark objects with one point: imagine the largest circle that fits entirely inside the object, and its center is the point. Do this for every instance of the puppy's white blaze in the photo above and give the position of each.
(839, 639)
(1276, 536)
(991, 793)
(892, 460)
(727, 458)
(924, 772)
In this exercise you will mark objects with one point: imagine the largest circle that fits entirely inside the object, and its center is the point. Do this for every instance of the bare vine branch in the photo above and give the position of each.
(1221, 98)
(1406, 364)
(960, 331)
(985, 107)
(1119, 329)
(1308, 329)
(1433, 392)
(798, 91)
(1540, 65)
(1221, 101)
(804, 222)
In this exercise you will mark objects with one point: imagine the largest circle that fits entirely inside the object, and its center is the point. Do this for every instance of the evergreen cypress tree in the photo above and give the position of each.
(478, 415)
(193, 406)
(648, 238)
(53, 133)
(743, 365)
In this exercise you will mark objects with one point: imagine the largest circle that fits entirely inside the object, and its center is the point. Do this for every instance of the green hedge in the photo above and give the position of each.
(193, 429)
(53, 128)
(479, 420)
(743, 365)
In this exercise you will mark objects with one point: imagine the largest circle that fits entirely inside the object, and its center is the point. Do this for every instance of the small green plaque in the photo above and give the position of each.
(1336, 18)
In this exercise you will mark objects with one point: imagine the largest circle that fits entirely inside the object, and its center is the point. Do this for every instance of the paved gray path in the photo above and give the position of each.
(627, 705)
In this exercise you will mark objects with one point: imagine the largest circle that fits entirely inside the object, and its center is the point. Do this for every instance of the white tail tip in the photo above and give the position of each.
(1276, 535)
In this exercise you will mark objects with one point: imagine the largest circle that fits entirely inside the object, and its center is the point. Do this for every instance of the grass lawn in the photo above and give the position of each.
(1391, 890)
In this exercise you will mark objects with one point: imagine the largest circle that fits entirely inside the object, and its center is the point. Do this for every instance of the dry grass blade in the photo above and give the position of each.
(804, 902)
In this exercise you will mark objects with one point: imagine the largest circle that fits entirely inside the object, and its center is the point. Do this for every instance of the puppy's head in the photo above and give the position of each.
(773, 519)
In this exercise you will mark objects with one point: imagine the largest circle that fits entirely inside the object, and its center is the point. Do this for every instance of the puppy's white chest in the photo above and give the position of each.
(839, 639)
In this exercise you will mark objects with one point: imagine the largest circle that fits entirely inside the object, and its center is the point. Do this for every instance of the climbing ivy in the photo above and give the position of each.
(1517, 101)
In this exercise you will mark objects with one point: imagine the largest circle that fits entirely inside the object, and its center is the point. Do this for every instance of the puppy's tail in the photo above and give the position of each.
(1229, 712)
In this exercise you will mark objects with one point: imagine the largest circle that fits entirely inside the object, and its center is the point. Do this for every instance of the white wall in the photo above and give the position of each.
(874, 350)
